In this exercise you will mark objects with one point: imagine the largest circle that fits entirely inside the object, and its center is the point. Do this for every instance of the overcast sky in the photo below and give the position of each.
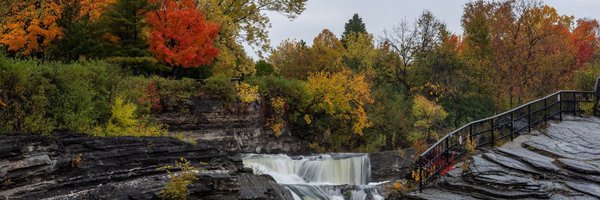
(379, 15)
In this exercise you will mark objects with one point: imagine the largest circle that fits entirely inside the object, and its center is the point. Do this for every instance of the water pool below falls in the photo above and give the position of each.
(319, 176)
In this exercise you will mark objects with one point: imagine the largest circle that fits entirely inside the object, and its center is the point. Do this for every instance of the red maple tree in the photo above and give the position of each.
(180, 36)
(585, 40)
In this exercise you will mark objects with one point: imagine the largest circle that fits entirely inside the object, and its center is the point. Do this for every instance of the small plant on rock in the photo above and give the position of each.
(177, 187)
(470, 147)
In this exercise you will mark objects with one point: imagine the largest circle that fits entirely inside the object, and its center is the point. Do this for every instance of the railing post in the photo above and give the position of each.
(447, 152)
(512, 126)
(575, 104)
(545, 108)
(493, 138)
(596, 110)
(420, 175)
(560, 109)
(471, 132)
(529, 118)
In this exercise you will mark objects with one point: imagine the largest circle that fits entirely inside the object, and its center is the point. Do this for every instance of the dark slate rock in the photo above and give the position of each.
(72, 166)
(582, 166)
(587, 188)
(391, 165)
(530, 157)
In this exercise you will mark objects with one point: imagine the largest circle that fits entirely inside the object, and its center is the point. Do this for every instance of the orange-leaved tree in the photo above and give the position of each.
(584, 40)
(31, 26)
(180, 36)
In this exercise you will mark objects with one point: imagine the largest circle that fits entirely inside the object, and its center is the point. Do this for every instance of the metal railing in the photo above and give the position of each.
(442, 155)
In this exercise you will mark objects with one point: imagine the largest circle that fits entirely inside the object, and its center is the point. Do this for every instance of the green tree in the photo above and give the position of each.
(126, 21)
(360, 53)
(354, 26)
(429, 117)
(82, 35)
(263, 68)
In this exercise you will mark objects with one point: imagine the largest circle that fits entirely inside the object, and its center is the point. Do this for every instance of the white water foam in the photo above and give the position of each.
(315, 177)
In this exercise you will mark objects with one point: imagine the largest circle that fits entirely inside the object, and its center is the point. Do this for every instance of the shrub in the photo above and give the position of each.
(40, 97)
(125, 122)
(23, 97)
(176, 188)
(173, 92)
(140, 65)
(263, 68)
(247, 93)
(220, 87)
(585, 78)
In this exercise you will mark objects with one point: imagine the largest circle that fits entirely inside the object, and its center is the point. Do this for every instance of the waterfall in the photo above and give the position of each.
(318, 177)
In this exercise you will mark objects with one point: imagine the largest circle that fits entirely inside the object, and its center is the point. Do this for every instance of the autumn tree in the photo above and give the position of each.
(292, 59)
(327, 51)
(429, 117)
(584, 40)
(336, 105)
(31, 26)
(244, 21)
(517, 45)
(180, 36)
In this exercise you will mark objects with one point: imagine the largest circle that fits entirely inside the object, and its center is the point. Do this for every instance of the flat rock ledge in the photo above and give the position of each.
(561, 161)
(72, 166)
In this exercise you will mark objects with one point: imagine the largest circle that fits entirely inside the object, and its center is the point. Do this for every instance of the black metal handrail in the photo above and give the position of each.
(487, 132)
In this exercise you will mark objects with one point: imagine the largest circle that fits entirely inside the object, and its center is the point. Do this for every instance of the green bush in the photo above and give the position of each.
(173, 92)
(140, 65)
(40, 97)
(23, 97)
(220, 87)
(177, 187)
(585, 78)
(263, 68)
(125, 122)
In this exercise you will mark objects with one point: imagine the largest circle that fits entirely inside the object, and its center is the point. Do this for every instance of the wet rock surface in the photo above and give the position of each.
(391, 165)
(561, 161)
(71, 166)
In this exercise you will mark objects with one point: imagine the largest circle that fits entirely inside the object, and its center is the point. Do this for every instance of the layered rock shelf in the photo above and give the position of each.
(72, 166)
(233, 127)
(560, 161)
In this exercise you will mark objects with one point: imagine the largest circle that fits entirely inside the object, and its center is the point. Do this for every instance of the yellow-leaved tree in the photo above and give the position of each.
(429, 117)
(337, 99)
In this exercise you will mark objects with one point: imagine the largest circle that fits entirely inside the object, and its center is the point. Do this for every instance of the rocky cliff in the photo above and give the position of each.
(71, 166)
(233, 127)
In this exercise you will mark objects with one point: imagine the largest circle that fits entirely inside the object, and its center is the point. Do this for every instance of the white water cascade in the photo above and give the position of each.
(318, 177)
